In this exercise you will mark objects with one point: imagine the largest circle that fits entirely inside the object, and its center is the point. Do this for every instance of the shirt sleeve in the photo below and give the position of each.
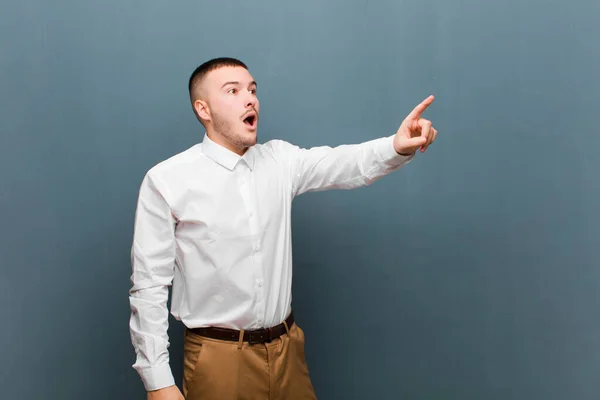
(152, 259)
(346, 166)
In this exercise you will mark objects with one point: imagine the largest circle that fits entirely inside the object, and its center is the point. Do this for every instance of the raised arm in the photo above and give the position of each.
(356, 165)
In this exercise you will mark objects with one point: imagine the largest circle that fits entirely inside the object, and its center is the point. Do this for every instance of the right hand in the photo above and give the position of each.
(168, 393)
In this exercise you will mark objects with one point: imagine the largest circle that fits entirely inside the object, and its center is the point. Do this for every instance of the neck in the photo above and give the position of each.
(222, 141)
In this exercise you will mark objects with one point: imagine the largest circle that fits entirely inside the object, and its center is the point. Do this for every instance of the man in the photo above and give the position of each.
(214, 221)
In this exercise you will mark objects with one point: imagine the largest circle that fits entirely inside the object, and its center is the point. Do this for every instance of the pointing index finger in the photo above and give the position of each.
(416, 113)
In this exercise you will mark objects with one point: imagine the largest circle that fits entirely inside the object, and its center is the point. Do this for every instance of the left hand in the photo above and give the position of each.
(415, 132)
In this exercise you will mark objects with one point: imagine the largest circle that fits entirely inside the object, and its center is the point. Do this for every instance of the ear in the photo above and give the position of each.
(202, 110)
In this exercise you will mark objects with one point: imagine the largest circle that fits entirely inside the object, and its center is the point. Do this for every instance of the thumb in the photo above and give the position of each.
(414, 142)
(406, 145)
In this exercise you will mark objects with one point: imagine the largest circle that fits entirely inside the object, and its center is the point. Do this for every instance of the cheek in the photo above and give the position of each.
(225, 114)
(221, 108)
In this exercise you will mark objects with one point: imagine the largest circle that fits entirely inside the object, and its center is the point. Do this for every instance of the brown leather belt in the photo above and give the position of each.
(253, 337)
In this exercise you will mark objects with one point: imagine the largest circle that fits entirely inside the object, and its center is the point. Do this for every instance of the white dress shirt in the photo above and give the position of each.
(217, 227)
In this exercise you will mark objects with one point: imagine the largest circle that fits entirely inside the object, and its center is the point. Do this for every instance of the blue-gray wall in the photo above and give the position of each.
(471, 274)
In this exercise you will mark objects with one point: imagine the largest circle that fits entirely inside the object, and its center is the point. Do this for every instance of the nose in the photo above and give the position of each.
(251, 100)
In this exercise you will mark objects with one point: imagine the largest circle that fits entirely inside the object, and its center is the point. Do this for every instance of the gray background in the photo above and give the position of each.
(470, 274)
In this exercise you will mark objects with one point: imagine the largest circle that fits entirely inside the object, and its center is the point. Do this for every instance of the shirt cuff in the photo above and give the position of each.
(157, 377)
(390, 155)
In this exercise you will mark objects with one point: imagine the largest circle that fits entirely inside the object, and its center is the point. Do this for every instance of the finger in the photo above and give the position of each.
(413, 144)
(432, 136)
(425, 132)
(416, 113)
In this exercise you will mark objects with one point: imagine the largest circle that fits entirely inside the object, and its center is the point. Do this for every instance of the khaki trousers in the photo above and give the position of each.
(223, 370)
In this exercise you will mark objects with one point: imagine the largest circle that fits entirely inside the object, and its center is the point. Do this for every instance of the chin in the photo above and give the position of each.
(249, 138)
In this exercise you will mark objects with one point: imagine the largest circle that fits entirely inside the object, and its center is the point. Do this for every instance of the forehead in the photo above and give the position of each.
(220, 76)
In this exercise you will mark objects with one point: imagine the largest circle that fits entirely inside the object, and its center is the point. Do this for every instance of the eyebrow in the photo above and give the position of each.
(237, 83)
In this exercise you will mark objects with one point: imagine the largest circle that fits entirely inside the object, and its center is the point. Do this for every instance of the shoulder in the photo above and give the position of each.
(175, 165)
(277, 151)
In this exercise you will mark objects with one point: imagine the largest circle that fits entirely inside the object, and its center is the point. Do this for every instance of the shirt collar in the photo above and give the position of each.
(225, 157)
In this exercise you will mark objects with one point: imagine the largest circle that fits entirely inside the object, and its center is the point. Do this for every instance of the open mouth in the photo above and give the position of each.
(250, 120)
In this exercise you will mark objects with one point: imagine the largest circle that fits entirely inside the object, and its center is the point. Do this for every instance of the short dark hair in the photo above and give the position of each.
(209, 66)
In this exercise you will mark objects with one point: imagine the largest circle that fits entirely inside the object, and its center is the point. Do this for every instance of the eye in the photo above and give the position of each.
(253, 90)
(232, 91)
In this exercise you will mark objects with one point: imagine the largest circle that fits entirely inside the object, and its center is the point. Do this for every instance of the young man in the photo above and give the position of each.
(214, 221)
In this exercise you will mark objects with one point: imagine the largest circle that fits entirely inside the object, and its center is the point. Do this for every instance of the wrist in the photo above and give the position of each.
(401, 151)
(394, 150)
